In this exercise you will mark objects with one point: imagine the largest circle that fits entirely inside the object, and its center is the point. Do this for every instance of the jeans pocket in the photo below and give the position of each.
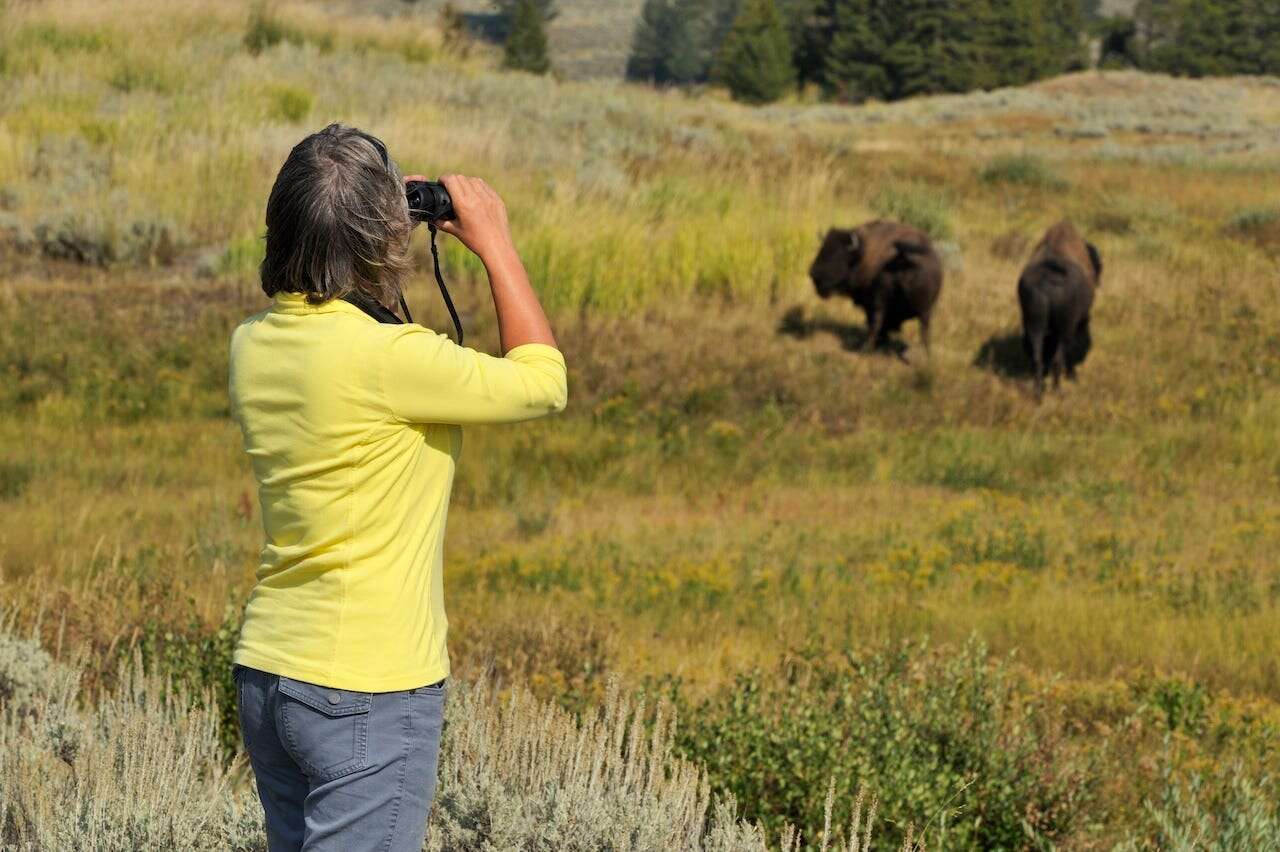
(326, 730)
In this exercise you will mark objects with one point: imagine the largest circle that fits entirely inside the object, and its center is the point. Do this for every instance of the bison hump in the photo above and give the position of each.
(1055, 264)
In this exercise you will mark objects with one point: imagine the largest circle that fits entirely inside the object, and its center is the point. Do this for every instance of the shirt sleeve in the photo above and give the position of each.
(427, 378)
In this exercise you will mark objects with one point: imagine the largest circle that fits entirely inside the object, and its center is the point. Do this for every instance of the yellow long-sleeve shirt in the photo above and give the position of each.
(352, 427)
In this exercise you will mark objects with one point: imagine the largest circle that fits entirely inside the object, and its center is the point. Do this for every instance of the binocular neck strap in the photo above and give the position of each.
(444, 291)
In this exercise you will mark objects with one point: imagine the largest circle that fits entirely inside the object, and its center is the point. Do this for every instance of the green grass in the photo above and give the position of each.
(917, 206)
(1021, 170)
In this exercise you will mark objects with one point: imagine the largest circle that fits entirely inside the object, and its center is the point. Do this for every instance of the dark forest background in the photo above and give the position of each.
(855, 50)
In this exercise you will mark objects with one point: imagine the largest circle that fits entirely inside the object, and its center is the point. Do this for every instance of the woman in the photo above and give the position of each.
(352, 427)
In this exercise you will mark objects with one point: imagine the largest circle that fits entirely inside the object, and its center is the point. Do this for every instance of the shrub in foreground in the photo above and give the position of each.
(1238, 814)
(946, 739)
(143, 769)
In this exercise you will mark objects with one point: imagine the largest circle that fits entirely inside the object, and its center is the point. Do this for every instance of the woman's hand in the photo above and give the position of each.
(482, 218)
(482, 227)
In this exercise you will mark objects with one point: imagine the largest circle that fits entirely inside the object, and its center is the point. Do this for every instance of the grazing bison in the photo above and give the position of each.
(889, 270)
(1056, 292)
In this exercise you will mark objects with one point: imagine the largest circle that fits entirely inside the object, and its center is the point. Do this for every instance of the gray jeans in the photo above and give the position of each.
(341, 770)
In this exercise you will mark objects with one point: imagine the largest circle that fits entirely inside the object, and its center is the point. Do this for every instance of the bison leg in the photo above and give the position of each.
(1035, 328)
(1080, 343)
(875, 328)
(924, 335)
(1059, 363)
(1068, 368)
(1034, 344)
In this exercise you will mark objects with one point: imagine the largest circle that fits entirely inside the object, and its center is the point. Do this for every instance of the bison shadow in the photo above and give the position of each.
(1005, 355)
(852, 336)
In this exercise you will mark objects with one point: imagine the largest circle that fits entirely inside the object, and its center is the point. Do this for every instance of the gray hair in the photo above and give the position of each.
(337, 220)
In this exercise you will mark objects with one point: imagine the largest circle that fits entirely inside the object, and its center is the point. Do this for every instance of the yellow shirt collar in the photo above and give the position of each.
(296, 303)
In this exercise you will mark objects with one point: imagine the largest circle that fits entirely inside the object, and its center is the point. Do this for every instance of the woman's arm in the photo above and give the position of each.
(427, 378)
(483, 228)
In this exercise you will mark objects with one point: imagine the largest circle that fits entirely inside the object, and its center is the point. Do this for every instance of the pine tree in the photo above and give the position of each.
(810, 23)
(1204, 37)
(1268, 29)
(649, 44)
(934, 48)
(686, 60)
(1067, 31)
(714, 20)
(1011, 38)
(898, 48)
(755, 59)
(907, 47)
(663, 50)
(526, 47)
(1186, 38)
(855, 64)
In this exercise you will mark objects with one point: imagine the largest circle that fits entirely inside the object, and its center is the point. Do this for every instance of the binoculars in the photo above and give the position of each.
(429, 201)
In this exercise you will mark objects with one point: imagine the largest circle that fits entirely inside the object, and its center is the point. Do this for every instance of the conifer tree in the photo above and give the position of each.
(1268, 38)
(1012, 38)
(1068, 25)
(686, 60)
(754, 61)
(649, 44)
(810, 23)
(1205, 37)
(934, 49)
(526, 46)
(855, 66)
(897, 49)
(663, 50)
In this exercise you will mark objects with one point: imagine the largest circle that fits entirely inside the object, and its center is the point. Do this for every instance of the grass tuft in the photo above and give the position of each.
(1021, 170)
(916, 206)
(290, 104)
(1259, 225)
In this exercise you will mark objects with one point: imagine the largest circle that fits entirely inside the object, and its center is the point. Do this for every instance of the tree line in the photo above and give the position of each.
(1196, 38)
(855, 50)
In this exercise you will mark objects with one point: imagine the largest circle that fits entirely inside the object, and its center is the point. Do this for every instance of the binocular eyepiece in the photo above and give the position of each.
(429, 201)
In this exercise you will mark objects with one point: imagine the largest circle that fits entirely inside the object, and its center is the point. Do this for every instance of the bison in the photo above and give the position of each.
(889, 270)
(1056, 292)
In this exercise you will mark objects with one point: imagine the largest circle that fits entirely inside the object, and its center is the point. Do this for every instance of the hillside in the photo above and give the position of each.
(588, 38)
(1054, 622)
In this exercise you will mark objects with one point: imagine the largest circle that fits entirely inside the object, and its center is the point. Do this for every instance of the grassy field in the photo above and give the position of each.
(735, 495)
